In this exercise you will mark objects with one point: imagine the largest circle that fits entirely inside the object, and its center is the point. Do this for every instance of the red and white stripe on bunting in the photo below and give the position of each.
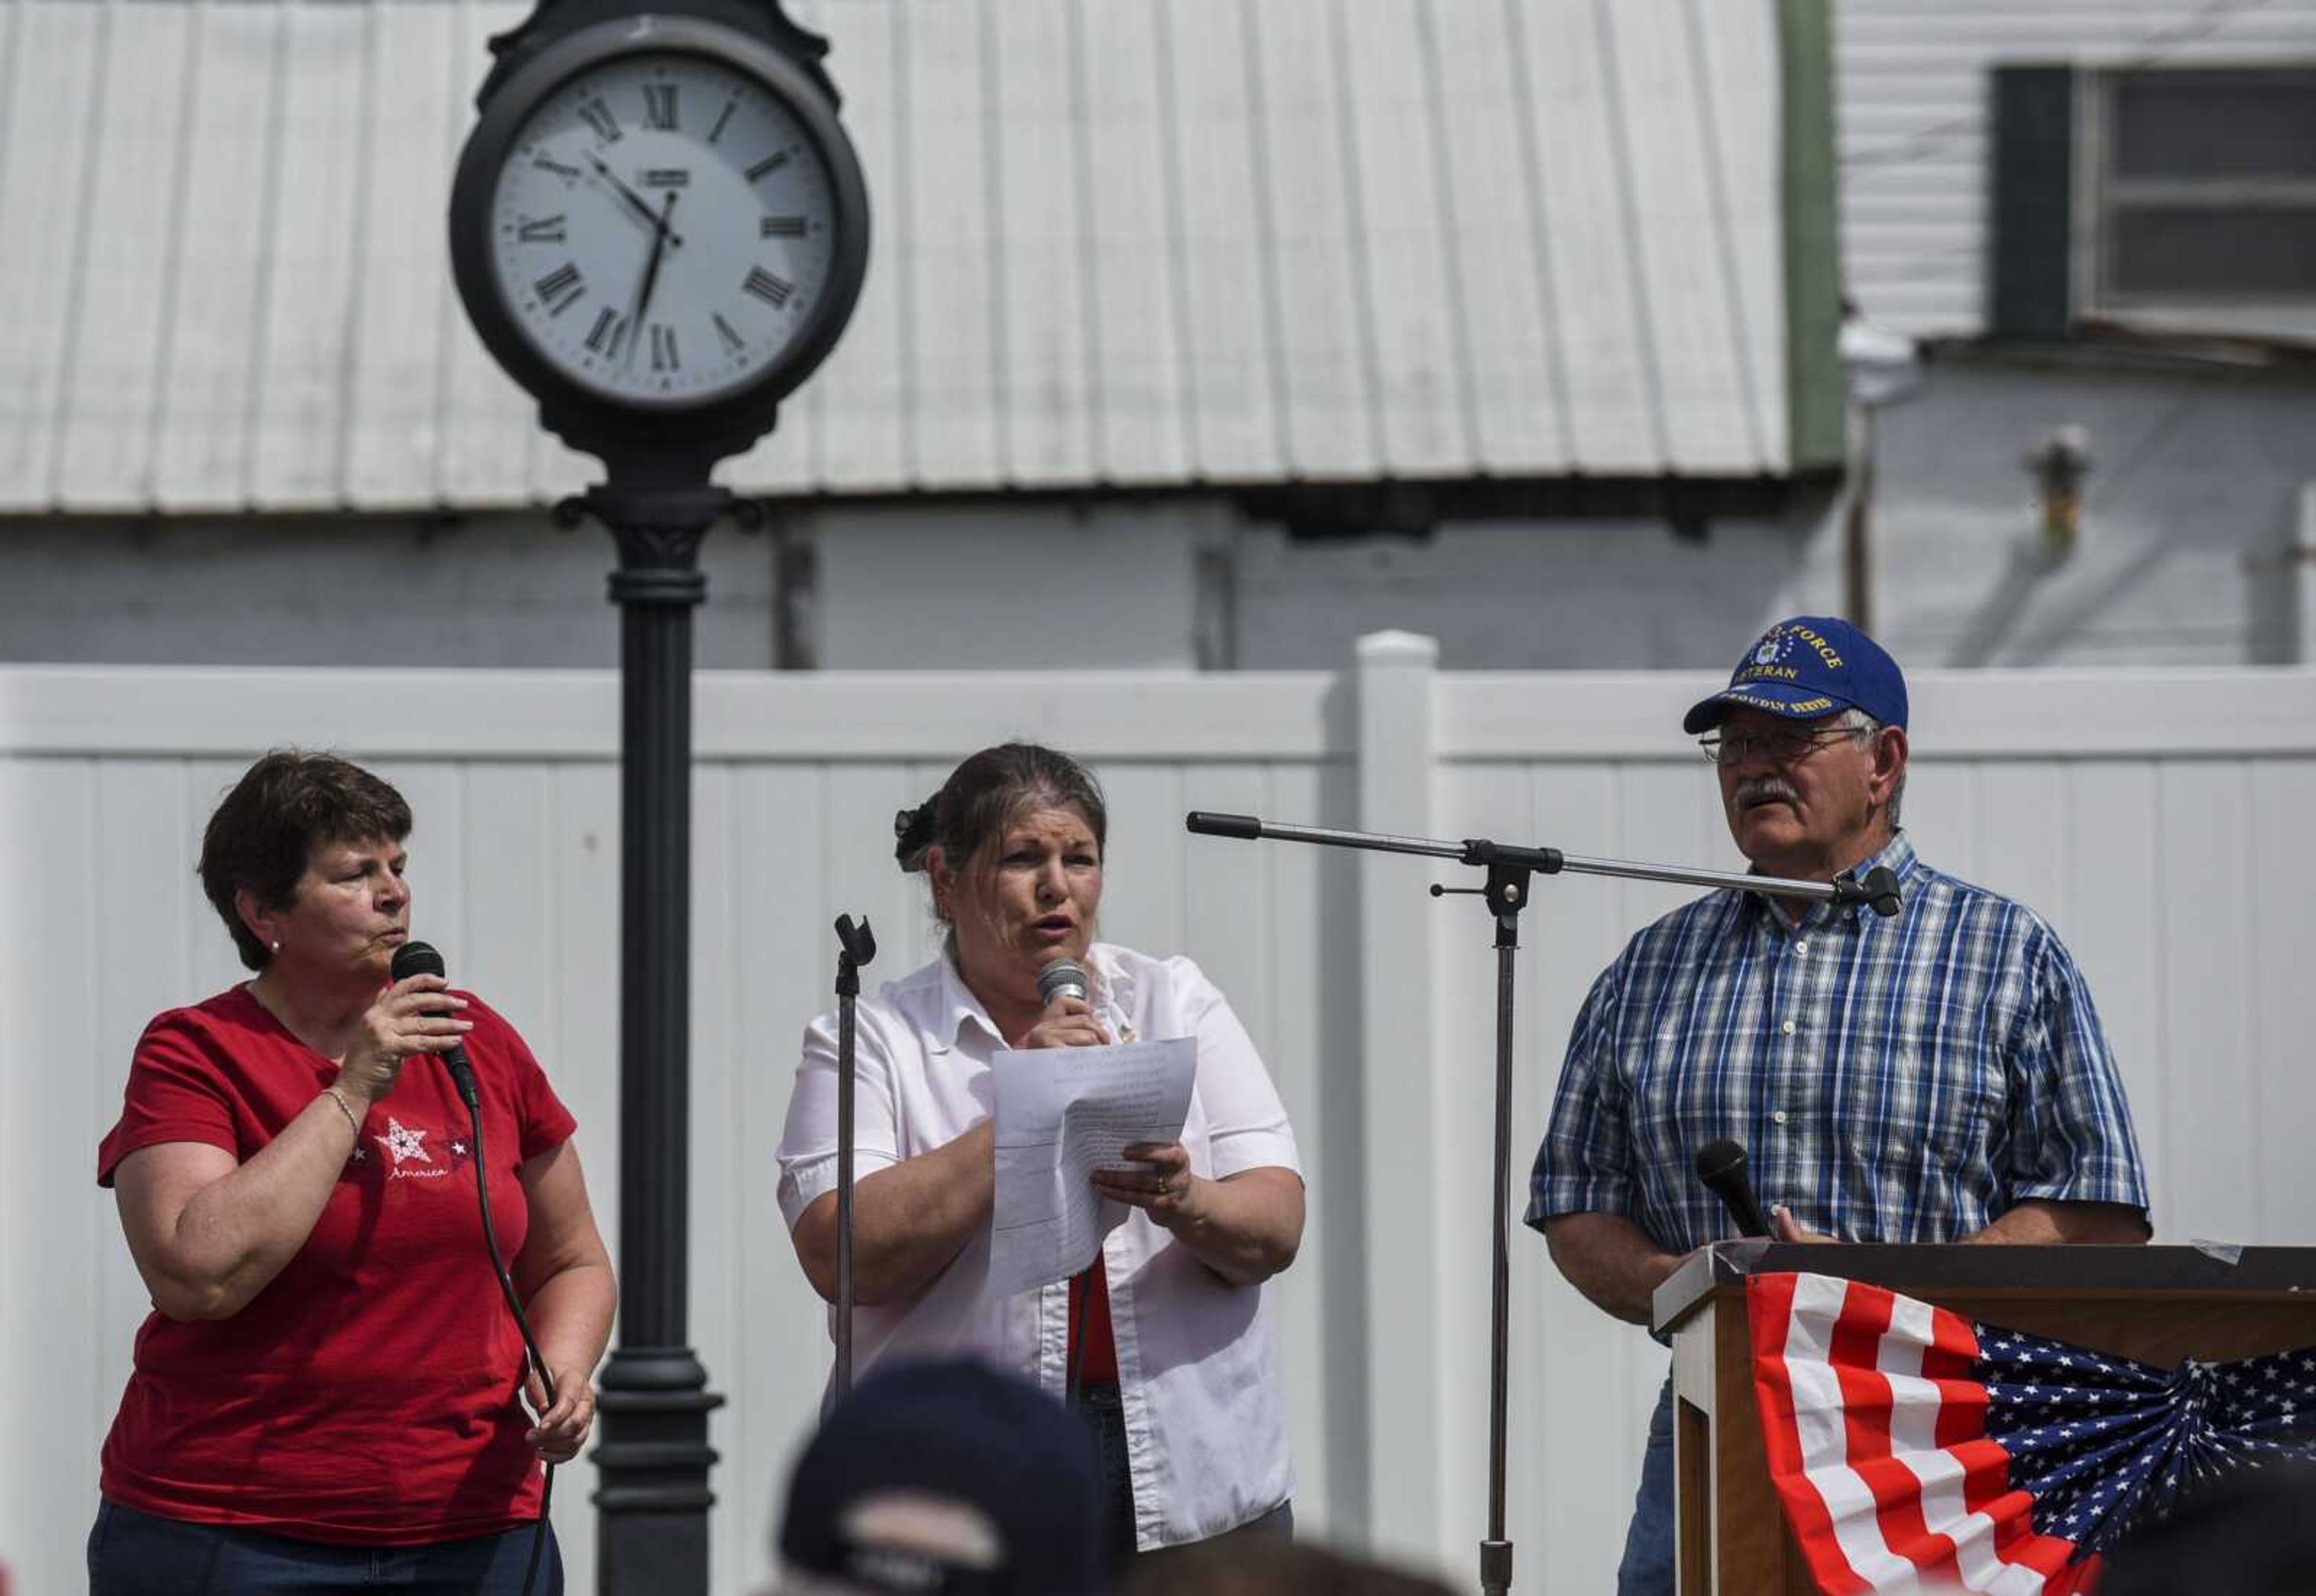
(1877, 1440)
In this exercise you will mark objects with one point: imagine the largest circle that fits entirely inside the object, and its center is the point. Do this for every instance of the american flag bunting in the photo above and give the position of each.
(1917, 1450)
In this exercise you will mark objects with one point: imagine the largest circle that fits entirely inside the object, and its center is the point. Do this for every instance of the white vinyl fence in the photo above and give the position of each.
(2156, 819)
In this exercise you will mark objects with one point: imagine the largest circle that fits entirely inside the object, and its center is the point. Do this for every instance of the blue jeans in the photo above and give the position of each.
(1647, 1568)
(136, 1554)
(1105, 1412)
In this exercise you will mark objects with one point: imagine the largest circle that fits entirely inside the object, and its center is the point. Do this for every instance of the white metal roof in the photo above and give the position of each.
(1912, 103)
(1129, 241)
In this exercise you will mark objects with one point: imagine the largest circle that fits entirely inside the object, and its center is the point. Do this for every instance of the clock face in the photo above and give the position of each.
(661, 226)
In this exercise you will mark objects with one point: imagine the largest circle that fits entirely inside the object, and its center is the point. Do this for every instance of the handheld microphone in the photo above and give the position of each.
(1721, 1166)
(1063, 978)
(420, 958)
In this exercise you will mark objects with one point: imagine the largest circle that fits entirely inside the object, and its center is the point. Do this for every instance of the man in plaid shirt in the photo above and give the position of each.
(1938, 1077)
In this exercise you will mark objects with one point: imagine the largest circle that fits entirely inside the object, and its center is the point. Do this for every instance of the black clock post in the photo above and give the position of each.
(587, 104)
(653, 1458)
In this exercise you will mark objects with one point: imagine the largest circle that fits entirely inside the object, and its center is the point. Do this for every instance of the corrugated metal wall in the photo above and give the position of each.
(1910, 81)
(2149, 816)
(1116, 243)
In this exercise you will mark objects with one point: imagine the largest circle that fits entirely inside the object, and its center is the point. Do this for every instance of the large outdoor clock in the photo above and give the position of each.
(658, 225)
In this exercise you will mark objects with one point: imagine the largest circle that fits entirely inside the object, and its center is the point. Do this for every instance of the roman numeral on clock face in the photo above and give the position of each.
(716, 132)
(733, 343)
(539, 229)
(659, 107)
(772, 162)
(781, 226)
(772, 290)
(603, 338)
(598, 116)
(664, 356)
(561, 287)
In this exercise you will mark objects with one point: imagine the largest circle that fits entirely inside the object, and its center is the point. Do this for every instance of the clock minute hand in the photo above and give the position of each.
(661, 239)
(636, 201)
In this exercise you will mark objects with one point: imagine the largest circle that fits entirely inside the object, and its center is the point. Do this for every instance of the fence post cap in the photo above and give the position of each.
(1392, 647)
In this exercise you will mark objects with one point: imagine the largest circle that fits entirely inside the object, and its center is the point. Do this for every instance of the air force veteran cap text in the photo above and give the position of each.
(1807, 668)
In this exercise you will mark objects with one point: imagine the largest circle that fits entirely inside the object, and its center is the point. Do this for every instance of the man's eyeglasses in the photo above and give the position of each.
(1780, 747)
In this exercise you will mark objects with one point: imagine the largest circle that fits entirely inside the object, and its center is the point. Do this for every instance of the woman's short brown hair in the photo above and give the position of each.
(284, 807)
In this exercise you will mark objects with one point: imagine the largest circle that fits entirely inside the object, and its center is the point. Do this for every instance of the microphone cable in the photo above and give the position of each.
(1066, 976)
(419, 958)
(522, 1321)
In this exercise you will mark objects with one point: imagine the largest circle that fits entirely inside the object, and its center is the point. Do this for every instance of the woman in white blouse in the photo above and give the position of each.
(1174, 1343)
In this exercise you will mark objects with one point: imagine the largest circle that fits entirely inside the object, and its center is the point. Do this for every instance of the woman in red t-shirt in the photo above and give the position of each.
(328, 1391)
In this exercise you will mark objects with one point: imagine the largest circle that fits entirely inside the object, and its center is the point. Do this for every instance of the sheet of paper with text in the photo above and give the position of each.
(1062, 1113)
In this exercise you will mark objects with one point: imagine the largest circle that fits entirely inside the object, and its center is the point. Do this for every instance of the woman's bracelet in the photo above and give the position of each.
(353, 1120)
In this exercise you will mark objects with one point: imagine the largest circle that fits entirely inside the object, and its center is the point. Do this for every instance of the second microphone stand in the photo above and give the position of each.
(858, 945)
(1509, 869)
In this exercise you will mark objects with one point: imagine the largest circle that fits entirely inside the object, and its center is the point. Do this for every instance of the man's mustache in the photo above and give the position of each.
(1764, 789)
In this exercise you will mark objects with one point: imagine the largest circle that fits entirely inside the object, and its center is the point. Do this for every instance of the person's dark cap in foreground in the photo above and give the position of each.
(949, 1478)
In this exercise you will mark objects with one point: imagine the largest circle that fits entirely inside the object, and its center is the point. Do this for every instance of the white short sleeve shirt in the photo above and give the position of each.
(1196, 1360)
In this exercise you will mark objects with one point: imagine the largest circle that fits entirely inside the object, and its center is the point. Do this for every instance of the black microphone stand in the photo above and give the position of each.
(1509, 868)
(858, 946)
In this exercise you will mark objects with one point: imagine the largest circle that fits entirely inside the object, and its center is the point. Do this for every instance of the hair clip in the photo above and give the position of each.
(912, 831)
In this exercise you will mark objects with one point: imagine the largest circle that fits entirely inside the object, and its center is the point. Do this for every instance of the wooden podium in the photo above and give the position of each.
(2158, 1304)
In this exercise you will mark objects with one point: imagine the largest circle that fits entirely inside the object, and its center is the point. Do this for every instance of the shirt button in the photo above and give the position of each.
(1779, 1116)
(1802, 946)
(1787, 1027)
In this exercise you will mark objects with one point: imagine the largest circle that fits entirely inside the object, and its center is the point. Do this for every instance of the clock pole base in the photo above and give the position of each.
(652, 1504)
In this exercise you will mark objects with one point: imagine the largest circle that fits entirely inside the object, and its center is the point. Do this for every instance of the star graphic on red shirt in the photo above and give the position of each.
(404, 1143)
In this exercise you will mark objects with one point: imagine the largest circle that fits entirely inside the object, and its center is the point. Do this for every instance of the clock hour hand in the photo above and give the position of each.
(636, 201)
(662, 238)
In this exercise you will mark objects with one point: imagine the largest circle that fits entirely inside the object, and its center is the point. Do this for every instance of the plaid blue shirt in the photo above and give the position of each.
(1899, 1080)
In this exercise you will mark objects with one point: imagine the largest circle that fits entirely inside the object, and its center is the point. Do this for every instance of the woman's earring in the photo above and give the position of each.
(277, 945)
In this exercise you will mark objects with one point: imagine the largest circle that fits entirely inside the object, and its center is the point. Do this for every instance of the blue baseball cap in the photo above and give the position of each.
(950, 1478)
(1805, 667)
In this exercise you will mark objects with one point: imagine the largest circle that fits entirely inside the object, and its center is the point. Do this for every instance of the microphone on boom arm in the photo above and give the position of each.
(1878, 892)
